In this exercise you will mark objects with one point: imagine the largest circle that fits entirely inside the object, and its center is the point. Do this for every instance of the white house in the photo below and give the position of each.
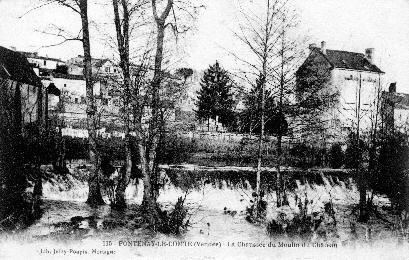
(42, 62)
(99, 66)
(358, 81)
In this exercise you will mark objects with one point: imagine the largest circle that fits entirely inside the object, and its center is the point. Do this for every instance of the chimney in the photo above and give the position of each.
(312, 46)
(369, 55)
(392, 87)
(324, 47)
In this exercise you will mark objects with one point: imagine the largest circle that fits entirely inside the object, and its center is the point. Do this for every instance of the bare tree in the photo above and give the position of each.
(148, 147)
(276, 55)
(80, 7)
(259, 35)
(149, 137)
(122, 26)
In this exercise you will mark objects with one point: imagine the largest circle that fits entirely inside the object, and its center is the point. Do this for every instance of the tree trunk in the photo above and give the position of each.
(123, 48)
(281, 197)
(279, 189)
(123, 182)
(363, 213)
(260, 145)
(155, 120)
(148, 150)
(149, 206)
(94, 194)
(38, 184)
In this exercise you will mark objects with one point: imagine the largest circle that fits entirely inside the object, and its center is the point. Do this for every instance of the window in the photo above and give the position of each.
(45, 62)
(76, 100)
(65, 85)
(349, 77)
(107, 69)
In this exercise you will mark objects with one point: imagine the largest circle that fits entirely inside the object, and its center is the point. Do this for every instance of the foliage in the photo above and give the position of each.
(392, 176)
(175, 149)
(314, 97)
(257, 211)
(184, 72)
(304, 224)
(354, 153)
(250, 117)
(336, 156)
(75, 148)
(307, 156)
(175, 222)
(215, 97)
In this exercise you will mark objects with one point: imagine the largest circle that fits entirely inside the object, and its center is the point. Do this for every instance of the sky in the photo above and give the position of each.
(348, 25)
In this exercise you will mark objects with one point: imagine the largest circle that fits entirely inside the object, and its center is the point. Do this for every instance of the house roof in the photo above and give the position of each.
(399, 100)
(349, 60)
(68, 76)
(99, 62)
(15, 66)
(34, 55)
(78, 61)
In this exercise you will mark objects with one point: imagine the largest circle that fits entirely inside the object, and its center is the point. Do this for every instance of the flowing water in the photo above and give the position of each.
(206, 199)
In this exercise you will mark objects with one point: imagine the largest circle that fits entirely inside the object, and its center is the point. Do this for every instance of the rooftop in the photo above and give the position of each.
(34, 55)
(15, 66)
(400, 100)
(349, 60)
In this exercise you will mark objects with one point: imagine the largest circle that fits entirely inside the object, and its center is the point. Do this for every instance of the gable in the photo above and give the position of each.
(315, 60)
(16, 67)
(340, 60)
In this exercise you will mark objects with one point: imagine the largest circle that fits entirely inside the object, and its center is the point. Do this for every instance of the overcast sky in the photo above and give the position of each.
(349, 25)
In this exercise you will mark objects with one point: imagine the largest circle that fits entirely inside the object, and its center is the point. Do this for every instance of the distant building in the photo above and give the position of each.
(358, 81)
(395, 110)
(42, 64)
(99, 66)
(70, 106)
(68, 109)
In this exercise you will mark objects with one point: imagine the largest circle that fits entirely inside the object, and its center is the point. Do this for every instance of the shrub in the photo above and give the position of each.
(319, 225)
(352, 153)
(336, 156)
(392, 175)
(175, 222)
(75, 148)
(306, 156)
(175, 149)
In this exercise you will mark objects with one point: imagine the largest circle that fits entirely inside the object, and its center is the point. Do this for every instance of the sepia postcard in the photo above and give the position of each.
(204, 129)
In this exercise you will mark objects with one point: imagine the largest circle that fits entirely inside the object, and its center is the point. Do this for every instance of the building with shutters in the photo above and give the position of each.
(359, 83)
